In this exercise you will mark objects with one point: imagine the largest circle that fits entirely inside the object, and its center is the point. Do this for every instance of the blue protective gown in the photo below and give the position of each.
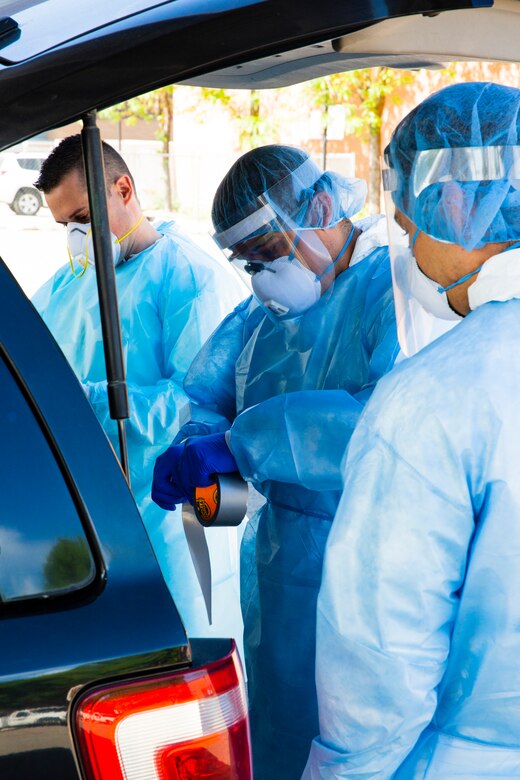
(171, 297)
(294, 394)
(418, 667)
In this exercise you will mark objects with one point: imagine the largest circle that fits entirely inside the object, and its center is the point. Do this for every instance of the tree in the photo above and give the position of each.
(153, 106)
(321, 97)
(364, 95)
(368, 92)
(246, 109)
(68, 563)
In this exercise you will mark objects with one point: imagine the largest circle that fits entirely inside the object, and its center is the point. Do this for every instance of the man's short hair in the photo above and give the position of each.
(68, 157)
(288, 179)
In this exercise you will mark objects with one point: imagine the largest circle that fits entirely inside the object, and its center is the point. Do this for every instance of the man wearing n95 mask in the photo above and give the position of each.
(279, 387)
(172, 295)
(418, 662)
(80, 245)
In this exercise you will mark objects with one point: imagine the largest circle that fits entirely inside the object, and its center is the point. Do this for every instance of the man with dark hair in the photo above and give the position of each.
(68, 157)
(171, 297)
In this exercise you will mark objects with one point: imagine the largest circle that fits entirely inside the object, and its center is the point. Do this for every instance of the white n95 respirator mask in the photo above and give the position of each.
(81, 247)
(430, 295)
(286, 287)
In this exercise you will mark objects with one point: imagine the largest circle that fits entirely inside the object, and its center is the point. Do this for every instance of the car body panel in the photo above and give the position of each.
(124, 621)
(44, 25)
(178, 41)
(13, 174)
(409, 42)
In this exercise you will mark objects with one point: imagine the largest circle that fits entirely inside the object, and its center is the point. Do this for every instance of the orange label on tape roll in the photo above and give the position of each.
(206, 502)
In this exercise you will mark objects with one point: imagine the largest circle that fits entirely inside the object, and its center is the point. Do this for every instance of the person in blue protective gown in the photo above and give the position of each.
(418, 661)
(286, 392)
(172, 295)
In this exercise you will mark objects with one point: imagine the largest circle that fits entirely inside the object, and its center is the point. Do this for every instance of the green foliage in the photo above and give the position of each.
(363, 94)
(130, 111)
(370, 90)
(68, 563)
(245, 108)
(218, 97)
(152, 106)
(320, 93)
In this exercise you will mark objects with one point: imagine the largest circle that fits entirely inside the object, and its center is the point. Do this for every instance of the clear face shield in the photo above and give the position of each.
(278, 245)
(422, 309)
(416, 327)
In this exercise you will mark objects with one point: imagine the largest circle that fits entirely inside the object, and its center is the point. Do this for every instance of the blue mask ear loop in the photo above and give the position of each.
(308, 192)
(440, 289)
(340, 255)
(293, 250)
(460, 281)
(311, 191)
(468, 276)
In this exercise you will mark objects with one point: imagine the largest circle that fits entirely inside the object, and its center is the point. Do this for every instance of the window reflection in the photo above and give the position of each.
(43, 548)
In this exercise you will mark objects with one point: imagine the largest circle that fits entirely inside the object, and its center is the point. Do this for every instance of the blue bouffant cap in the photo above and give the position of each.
(454, 164)
(283, 180)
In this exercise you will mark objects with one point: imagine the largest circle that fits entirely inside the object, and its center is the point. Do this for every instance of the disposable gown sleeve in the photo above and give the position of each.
(298, 438)
(158, 410)
(210, 382)
(395, 560)
(380, 342)
(301, 437)
(155, 411)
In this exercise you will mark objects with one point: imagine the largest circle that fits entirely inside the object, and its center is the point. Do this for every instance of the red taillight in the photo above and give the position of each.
(181, 726)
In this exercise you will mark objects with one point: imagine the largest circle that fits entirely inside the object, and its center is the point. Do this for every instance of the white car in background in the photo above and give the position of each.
(18, 172)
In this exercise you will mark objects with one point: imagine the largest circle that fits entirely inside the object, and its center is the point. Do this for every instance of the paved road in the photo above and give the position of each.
(33, 738)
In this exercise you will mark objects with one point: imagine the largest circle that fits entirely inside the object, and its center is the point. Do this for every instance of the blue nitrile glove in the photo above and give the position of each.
(167, 490)
(183, 467)
(203, 457)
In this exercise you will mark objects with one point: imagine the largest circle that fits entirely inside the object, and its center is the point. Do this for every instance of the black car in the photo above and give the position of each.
(97, 676)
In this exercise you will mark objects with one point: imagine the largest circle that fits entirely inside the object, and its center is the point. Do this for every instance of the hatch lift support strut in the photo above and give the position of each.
(106, 281)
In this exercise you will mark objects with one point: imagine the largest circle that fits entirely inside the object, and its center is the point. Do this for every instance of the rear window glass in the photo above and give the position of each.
(43, 547)
(30, 163)
(47, 23)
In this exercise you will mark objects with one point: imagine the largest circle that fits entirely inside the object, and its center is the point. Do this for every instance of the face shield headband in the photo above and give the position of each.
(460, 164)
(287, 198)
(468, 196)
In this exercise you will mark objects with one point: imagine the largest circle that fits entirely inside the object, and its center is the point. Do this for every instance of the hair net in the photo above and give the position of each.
(455, 164)
(280, 181)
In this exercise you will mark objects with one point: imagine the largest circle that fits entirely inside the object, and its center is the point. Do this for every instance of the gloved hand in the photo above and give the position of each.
(183, 467)
(167, 490)
(203, 457)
